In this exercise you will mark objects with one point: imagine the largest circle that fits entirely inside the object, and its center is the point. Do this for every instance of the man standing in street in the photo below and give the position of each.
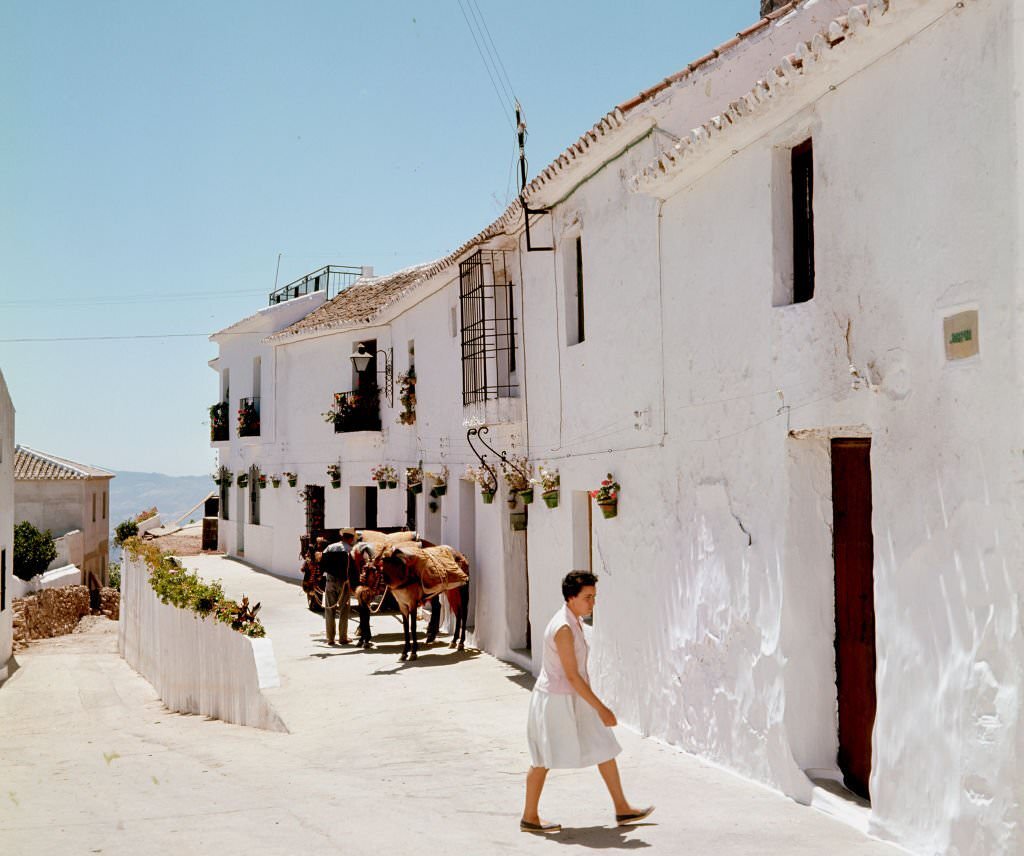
(336, 565)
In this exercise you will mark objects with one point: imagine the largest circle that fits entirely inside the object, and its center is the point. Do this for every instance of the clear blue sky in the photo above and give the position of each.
(155, 157)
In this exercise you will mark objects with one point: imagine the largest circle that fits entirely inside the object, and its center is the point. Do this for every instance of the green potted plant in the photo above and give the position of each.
(385, 476)
(292, 479)
(262, 481)
(607, 496)
(414, 479)
(275, 480)
(548, 482)
(483, 478)
(517, 471)
(242, 480)
(440, 481)
(407, 397)
(334, 473)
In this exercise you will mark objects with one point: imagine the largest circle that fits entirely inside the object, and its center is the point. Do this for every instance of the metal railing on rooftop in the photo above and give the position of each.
(330, 278)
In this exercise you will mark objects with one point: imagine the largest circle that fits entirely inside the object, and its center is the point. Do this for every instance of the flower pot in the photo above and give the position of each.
(487, 496)
(609, 509)
(392, 484)
(382, 484)
(335, 483)
(417, 487)
(439, 490)
(550, 498)
(517, 520)
(276, 482)
(292, 482)
(526, 496)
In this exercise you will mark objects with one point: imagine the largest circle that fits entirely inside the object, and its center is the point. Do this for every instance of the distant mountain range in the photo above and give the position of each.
(173, 496)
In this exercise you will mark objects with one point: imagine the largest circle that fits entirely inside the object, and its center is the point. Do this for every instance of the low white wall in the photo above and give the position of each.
(150, 523)
(196, 665)
(70, 550)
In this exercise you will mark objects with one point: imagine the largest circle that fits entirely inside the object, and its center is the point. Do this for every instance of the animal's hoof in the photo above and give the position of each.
(414, 656)
(430, 640)
(451, 644)
(462, 646)
(403, 658)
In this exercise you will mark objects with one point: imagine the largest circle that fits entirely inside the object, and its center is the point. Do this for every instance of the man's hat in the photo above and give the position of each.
(345, 532)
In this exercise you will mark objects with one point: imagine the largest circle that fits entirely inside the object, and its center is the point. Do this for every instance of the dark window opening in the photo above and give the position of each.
(224, 515)
(314, 496)
(254, 496)
(3, 580)
(580, 335)
(802, 165)
(410, 511)
(488, 328)
(371, 507)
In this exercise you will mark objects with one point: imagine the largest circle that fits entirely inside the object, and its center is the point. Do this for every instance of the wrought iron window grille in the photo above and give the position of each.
(486, 297)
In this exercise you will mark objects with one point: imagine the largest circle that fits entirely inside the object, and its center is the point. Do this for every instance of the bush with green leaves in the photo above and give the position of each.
(33, 550)
(183, 588)
(114, 575)
(124, 530)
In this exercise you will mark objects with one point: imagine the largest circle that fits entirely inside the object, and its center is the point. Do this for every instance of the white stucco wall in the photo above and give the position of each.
(6, 524)
(196, 665)
(714, 628)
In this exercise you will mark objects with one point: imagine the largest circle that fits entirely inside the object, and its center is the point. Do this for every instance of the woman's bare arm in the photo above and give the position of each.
(567, 654)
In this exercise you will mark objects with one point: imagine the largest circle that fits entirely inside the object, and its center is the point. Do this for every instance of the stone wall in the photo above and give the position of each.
(54, 612)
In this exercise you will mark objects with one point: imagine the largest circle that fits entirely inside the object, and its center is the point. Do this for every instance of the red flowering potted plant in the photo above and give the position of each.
(607, 496)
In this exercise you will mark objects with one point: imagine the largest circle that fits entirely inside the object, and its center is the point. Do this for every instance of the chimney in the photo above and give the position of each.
(771, 5)
(367, 271)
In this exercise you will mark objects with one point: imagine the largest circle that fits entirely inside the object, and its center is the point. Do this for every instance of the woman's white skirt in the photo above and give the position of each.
(565, 733)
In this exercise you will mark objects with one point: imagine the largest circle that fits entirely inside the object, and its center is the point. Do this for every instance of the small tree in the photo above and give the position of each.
(33, 550)
(124, 530)
(114, 575)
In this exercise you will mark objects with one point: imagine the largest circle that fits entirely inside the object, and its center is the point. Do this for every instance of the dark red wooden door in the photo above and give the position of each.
(853, 547)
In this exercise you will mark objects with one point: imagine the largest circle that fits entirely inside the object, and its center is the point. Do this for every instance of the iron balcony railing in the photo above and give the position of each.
(249, 417)
(357, 410)
(331, 278)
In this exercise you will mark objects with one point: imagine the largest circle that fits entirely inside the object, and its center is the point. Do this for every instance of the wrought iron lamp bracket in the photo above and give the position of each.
(479, 432)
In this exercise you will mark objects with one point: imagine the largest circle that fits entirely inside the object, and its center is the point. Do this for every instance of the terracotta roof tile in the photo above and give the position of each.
(32, 465)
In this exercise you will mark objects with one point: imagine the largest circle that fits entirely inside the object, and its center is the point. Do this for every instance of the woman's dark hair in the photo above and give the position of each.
(576, 581)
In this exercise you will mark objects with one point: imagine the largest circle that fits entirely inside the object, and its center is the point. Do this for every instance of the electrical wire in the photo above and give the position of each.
(487, 68)
(503, 76)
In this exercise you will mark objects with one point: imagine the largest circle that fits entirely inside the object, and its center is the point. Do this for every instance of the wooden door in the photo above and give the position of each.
(853, 548)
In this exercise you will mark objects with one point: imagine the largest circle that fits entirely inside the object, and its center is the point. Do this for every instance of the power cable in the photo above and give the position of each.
(503, 75)
(487, 68)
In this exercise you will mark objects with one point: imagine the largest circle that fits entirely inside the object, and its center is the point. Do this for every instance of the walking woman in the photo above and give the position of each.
(569, 726)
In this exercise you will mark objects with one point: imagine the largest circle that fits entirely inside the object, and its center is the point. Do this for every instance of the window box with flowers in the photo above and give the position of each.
(334, 474)
(440, 481)
(517, 472)
(249, 417)
(219, 422)
(607, 496)
(482, 478)
(414, 479)
(358, 410)
(291, 478)
(386, 477)
(407, 397)
(548, 481)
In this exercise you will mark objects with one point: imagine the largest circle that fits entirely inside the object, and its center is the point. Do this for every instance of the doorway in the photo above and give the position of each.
(314, 496)
(240, 520)
(853, 550)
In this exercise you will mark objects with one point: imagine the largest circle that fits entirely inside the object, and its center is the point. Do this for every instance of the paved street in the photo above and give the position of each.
(424, 758)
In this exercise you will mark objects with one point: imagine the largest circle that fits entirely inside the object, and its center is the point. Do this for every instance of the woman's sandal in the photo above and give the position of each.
(543, 828)
(633, 817)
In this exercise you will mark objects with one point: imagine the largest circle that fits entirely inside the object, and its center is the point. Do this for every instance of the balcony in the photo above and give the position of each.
(332, 279)
(219, 422)
(357, 410)
(249, 417)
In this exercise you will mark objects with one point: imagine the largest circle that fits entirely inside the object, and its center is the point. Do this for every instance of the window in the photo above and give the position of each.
(225, 385)
(3, 580)
(254, 495)
(488, 328)
(573, 261)
(104, 505)
(94, 508)
(224, 485)
(802, 180)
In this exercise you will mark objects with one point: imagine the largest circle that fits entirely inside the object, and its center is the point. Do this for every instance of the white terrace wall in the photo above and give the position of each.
(196, 665)
(714, 628)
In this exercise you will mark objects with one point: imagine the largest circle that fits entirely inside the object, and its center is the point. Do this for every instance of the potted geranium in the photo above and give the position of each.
(262, 481)
(414, 479)
(517, 476)
(242, 480)
(548, 482)
(275, 480)
(407, 397)
(440, 481)
(386, 477)
(483, 478)
(607, 496)
(334, 473)
(292, 479)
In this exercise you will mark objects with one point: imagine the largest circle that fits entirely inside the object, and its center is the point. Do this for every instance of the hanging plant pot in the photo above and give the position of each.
(293, 482)
(517, 520)
(609, 509)
(382, 484)
(439, 490)
(275, 482)
(487, 496)
(335, 483)
(392, 484)
(550, 498)
(526, 496)
(416, 487)
(243, 481)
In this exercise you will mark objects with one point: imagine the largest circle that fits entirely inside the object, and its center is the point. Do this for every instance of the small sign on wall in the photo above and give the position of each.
(961, 334)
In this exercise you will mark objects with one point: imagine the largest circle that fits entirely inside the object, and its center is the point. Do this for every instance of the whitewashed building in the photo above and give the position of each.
(6, 528)
(777, 296)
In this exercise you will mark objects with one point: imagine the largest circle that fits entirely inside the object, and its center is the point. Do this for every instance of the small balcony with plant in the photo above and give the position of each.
(357, 410)
(219, 422)
(249, 417)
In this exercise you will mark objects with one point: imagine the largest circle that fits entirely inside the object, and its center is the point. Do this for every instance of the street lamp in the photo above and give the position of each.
(361, 361)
